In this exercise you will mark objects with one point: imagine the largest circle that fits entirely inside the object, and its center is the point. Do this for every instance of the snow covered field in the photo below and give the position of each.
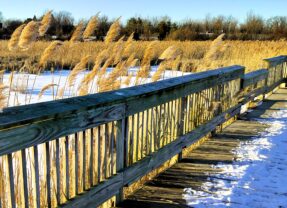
(34, 83)
(257, 179)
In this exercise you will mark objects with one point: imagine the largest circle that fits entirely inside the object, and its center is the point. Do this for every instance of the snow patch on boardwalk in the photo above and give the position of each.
(256, 179)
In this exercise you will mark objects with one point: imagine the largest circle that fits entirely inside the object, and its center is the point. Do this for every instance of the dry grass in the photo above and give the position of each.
(247, 53)
(29, 34)
(91, 27)
(45, 23)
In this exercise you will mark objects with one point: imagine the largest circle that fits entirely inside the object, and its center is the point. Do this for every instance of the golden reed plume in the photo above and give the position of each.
(214, 47)
(91, 27)
(13, 42)
(48, 52)
(45, 88)
(29, 34)
(78, 32)
(45, 23)
(81, 66)
(113, 32)
(171, 52)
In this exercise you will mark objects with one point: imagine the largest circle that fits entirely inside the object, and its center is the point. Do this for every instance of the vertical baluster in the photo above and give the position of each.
(201, 105)
(182, 112)
(58, 173)
(36, 169)
(161, 126)
(106, 139)
(92, 157)
(132, 141)
(121, 151)
(112, 148)
(48, 175)
(197, 109)
(142, 135)
(158, 125)
(11, 180)
(147, 137)
(151, 129)
(173, 119)
(77, 163)
(137, 135)
(99, 154)
(190, 100)
(164, 123)
(84, 161)
(126, 143)
(25, 177)
(67, 167)
(168, 123)
(177, 117)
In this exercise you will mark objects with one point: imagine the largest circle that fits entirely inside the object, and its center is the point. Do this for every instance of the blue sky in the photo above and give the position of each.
(177, 9)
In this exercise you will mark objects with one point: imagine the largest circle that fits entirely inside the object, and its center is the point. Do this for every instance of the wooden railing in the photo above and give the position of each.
(81, 151)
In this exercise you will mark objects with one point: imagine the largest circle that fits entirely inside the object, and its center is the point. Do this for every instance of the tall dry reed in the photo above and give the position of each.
(45, 23)
(91, 27)
(13, 42)
(113, 32)
(29, 34)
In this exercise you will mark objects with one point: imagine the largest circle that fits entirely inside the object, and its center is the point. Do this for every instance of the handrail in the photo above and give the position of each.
(24, 126)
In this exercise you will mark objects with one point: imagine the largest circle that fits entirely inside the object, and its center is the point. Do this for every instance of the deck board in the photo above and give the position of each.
(192, 171)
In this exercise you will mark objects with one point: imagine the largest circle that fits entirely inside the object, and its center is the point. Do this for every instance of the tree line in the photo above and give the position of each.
(254, 27)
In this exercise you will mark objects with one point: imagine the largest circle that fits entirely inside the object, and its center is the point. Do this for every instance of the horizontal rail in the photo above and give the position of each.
(253, 77)
(275, 60)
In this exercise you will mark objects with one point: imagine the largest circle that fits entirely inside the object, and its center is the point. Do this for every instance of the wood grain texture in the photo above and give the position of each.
(253, 77)
(99, 194)
(276, 60)
(19, 137)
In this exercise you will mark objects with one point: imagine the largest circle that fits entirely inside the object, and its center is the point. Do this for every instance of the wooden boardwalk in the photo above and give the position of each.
(192, 171)
(84, 151)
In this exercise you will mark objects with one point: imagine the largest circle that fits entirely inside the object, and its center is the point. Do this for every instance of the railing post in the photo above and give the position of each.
(121, 152)
(182, 113)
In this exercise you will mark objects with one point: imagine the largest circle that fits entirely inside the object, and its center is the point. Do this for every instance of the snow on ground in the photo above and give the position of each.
(257, 179)
(35, 83)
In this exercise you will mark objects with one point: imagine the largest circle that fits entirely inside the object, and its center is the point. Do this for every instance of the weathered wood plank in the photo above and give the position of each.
(25, 177)
(99, 194)
(37, 176)
(77, 163)
(58, 172)
(20, 137)
(120, 152)
(11, 181)
(48, 175)
(91, 174)
(254, 77)
(276, 60)
(67, 167)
